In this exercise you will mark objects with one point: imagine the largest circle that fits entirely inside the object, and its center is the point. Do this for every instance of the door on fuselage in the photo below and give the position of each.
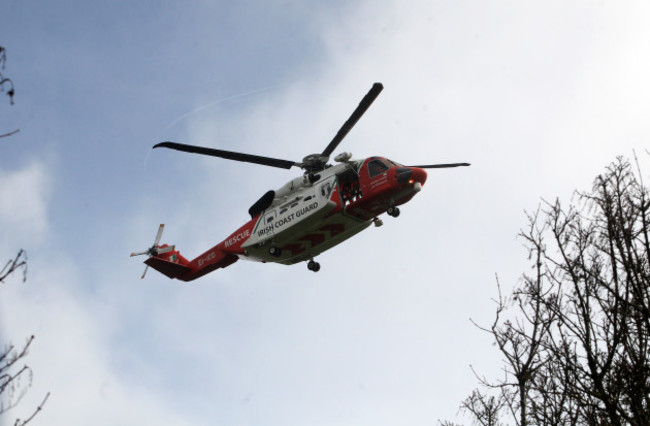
(349, 186)
(373, 176)
(266, 227)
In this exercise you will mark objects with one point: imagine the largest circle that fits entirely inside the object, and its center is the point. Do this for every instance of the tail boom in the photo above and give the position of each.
(168, 261)
(175, 266)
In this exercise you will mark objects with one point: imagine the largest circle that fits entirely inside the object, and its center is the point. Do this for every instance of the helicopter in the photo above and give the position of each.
(310, 214)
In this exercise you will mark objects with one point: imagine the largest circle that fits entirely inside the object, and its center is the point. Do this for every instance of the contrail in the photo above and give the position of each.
(218, 101)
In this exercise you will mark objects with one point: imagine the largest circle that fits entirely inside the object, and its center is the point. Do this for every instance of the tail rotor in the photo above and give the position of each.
(154, 250)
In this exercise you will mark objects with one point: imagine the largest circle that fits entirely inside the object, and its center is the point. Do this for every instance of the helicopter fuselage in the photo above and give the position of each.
(308, 215)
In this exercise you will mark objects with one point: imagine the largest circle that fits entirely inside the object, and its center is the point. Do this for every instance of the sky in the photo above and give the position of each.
(538, 95)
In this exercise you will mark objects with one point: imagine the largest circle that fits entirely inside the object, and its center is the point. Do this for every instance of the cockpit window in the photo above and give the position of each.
(376, 167)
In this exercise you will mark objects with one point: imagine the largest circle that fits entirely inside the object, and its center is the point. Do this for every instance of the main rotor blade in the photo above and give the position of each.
(356, 115)
(441, 166)
(229, 155)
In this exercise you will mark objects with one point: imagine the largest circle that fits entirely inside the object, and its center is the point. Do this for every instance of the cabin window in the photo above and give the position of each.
(376, 167)
(326, 189)
(269, 218)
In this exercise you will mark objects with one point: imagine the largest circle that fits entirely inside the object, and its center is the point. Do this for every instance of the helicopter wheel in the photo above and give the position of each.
(275, 251)
(313, 266)
(393, 211)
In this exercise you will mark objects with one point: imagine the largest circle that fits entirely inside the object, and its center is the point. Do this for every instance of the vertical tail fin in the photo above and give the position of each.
(171, 264)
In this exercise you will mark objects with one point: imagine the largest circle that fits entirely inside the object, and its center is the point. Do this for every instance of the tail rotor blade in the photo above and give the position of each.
(159, 235)
(154, 250)
(145, 272)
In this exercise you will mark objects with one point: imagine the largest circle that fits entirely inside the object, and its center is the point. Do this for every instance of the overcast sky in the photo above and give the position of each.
(538, 95)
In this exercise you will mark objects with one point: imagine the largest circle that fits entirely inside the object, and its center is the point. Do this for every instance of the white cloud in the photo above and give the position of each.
(381, 334)
(511, 89)
(24, 198)
(72, 355)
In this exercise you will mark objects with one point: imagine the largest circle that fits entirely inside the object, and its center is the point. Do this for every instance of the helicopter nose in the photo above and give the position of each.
(419, 175)
(404, 174)
(413, 176)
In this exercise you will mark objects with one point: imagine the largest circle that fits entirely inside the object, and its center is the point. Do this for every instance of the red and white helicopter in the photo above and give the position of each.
(310, 214)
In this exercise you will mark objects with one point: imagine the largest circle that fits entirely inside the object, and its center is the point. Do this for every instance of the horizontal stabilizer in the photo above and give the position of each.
(171, 269)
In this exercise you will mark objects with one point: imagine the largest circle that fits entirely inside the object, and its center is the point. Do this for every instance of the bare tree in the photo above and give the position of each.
(6, 85)
(483, 408)
(16, 377)
(575, 332)
(17, 263)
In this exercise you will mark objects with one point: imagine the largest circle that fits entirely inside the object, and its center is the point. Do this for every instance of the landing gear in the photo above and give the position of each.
(275, 251)
(393, 211)
(313, 266)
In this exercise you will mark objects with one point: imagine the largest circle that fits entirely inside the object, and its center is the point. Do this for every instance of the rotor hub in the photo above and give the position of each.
(315, 162)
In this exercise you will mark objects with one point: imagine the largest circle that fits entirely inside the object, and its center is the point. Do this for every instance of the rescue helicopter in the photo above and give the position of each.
(310, 214)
